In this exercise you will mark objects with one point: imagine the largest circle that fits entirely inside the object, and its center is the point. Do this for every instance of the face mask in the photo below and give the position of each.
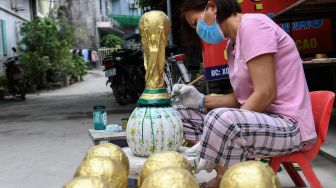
(211, 34)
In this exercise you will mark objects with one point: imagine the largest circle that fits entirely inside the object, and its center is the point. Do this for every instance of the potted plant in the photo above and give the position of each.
(111, 41)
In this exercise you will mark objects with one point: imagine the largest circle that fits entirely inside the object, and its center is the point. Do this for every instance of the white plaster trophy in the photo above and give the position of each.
(154, 125)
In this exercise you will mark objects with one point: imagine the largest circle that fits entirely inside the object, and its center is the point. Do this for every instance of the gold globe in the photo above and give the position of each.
(161, 160)
(110, 150)
(104, 167)
(170, 177)
(88, 182)
(251, 174)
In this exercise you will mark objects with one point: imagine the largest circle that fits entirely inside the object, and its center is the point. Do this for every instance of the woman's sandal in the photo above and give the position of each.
(206, 184)
(203, 185)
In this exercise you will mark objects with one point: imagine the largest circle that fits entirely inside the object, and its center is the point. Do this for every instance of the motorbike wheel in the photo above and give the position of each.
(138, 84)
(22, 89)
(119, 94)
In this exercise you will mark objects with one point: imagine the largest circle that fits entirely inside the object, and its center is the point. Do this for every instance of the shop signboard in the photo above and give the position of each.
(215, 61)
(310, 36)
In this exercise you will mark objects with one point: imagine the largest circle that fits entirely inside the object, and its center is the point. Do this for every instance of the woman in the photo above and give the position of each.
(269, 112)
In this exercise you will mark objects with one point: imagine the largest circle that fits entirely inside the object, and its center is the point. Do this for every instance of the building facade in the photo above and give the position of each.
(122, 17)
(12, 14)
(92, 20)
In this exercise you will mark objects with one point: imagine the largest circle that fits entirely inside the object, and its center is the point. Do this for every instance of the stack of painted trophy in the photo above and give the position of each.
(104, 166)
(107, 166)
(167, 169)
(155, 129)
(154, 126)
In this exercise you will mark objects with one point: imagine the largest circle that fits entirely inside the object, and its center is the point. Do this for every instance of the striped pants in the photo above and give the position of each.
(229, 136)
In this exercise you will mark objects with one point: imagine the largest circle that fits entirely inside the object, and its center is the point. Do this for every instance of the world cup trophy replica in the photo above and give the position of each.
(154, 125)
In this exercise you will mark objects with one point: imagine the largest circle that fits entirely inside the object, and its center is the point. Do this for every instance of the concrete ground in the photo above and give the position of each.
(44, 139)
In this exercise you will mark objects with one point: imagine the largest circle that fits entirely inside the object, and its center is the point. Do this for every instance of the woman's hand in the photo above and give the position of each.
(188, 96)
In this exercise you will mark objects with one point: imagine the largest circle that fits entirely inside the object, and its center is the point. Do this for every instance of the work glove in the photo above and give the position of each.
(205, 165)
(187, 96)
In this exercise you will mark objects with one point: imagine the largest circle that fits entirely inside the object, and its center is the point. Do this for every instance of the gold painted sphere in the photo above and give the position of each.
(88, 182)
(251, 174)
(170, 177)
(110, 150)
(104, 167)
(161, 160)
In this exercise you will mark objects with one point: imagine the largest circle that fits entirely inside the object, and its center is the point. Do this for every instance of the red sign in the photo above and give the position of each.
(310, 36)
(215, 61)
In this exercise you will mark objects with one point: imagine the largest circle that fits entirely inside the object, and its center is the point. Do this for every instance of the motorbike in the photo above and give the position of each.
(17, 86)
(125, 71)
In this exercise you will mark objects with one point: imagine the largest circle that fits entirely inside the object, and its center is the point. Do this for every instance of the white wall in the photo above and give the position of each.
(101, 7)
(13, 21)
(121, 7)
(22, 6)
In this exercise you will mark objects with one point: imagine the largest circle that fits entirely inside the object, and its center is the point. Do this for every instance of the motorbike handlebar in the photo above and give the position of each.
(13, 58)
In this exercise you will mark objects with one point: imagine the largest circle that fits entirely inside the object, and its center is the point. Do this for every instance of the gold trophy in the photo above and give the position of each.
(154, 125)
(154, 29)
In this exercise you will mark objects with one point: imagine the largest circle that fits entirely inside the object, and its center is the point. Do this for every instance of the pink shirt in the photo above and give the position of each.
(259, 35)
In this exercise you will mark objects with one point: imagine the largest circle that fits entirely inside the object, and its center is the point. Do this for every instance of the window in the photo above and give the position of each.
(3, 38)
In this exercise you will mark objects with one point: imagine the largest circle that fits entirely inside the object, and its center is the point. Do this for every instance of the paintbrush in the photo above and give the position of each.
(189, 84)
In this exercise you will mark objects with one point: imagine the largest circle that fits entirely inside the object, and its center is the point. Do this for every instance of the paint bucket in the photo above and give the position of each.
(99, 117)
(321, 56)
(124, 122)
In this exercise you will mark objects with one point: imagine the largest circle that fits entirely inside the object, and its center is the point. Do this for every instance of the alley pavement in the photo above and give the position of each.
(45, 138)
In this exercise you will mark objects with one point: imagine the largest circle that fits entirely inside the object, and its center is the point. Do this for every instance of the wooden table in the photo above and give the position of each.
(118, 138)
(317, 65)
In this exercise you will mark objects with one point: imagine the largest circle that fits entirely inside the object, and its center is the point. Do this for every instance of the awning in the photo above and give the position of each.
(130, 21)
(306, 10)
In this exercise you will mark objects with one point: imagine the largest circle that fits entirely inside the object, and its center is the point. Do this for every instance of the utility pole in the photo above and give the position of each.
(170, 42)
(50, 4)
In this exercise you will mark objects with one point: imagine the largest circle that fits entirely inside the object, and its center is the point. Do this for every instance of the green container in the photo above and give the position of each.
(124, 123)
(99, 117)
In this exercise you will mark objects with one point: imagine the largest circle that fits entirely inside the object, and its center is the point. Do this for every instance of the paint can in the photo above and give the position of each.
(99, 117)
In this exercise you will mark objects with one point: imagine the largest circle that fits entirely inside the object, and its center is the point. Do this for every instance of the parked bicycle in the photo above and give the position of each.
(176, 71)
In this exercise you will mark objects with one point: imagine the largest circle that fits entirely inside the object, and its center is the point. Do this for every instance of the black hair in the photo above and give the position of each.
(225, 9)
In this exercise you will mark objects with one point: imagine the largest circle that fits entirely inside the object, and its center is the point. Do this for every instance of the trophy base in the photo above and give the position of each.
(154, 97)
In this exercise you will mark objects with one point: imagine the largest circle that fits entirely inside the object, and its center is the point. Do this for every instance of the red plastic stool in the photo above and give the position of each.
(322, 103)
